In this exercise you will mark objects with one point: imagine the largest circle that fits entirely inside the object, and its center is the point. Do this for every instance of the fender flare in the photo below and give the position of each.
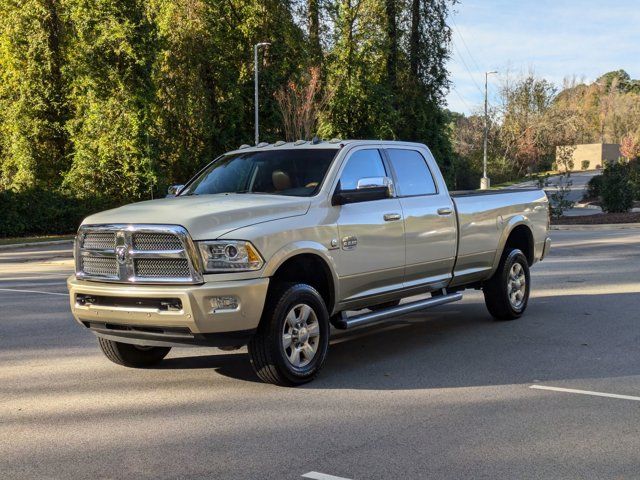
(511, 224)
(303, 247)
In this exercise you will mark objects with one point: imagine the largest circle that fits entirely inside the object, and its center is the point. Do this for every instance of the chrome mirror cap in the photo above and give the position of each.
(376, 182)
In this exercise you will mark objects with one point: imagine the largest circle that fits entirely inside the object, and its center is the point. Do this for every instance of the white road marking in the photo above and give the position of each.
(322, 476)
(32, 291)
(586, 392)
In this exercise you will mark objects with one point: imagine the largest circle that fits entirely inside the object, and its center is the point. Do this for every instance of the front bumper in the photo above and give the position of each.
(130, 312)
(547, 247)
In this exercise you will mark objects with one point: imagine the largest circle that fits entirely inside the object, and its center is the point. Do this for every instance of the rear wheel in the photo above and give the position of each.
(291, 343)
(506, 294)
(136, 356)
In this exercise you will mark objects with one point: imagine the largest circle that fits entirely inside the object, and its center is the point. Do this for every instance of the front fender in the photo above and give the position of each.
(302, 247)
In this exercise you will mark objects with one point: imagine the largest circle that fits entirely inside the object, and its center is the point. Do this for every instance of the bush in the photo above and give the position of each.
(634, 167)
(39, 212)
(617, 190)
(585, 164)
(594, 188)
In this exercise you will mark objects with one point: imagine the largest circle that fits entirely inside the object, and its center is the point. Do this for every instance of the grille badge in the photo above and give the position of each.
(121, 254)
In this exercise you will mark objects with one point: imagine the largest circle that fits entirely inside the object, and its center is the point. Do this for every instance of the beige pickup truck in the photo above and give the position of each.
(269, 246)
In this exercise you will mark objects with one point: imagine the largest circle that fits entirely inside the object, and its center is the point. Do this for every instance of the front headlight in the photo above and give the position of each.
(229, 256)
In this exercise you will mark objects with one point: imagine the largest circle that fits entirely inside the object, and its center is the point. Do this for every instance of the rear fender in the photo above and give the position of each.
(507, 228)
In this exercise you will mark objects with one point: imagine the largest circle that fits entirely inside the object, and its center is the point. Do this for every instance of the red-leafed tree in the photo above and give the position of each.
(630, 147)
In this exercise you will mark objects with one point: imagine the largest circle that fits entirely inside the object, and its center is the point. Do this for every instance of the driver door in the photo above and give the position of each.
(371, 255)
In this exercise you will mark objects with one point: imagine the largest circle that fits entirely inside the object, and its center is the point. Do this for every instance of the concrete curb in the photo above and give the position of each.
(607, 226)
(13, 246)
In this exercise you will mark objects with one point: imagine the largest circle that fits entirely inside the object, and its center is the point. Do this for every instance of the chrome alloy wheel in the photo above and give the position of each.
(517, 286)
(301, 335)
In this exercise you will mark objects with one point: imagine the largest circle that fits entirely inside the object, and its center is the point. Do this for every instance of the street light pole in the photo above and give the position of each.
(484, 182)
(255, 79)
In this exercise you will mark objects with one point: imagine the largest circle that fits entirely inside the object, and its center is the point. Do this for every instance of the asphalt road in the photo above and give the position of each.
(443, 394)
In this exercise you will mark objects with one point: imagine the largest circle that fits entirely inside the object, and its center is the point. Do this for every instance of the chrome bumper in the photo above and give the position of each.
(195, 313)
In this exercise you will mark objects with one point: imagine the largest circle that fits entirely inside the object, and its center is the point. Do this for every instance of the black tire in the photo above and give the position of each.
(498, 291)
(134, 356)
(269, 357)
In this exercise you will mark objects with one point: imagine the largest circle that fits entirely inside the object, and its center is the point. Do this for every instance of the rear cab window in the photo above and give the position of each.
(413, 175)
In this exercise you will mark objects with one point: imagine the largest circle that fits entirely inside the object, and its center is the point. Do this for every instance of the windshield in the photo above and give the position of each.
(295, 172)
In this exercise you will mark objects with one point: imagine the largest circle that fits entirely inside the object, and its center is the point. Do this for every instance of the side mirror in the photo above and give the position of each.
(367, 189)
(174, 190)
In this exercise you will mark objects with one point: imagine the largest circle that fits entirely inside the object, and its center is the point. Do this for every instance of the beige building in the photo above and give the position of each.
(590, 156)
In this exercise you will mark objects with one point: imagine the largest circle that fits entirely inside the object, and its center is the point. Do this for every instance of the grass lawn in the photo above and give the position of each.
(48, 238)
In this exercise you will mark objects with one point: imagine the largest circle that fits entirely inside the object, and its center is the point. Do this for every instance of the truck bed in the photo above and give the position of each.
(483, 217)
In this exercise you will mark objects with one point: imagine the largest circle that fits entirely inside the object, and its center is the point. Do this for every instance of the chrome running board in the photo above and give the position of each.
(343, 322)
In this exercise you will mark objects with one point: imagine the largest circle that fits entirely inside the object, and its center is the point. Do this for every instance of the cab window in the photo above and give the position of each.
(412, 173)
(361, 164)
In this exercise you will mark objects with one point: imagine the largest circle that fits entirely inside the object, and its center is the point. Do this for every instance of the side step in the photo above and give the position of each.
(344, 322)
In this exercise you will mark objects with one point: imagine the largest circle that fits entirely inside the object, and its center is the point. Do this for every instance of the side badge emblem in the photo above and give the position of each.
(349, 243)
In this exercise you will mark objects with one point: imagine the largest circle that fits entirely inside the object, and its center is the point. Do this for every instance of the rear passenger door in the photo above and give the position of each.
(429, 218)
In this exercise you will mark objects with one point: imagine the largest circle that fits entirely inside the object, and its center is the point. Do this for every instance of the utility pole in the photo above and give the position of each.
(255, 77)
(484, 182)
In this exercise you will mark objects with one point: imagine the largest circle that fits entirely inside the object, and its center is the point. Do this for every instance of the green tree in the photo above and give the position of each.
(361, 106)
(426, 81)
(33, 109)
(617, 189)
(111, 53)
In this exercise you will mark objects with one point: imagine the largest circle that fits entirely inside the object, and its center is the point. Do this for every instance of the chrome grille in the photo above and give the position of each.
(136, 254)
(99, 240)
(162, 267)
(100, 266)
(156, 241)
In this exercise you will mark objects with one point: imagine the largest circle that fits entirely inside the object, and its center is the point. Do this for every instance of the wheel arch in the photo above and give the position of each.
(518, 233)
(306, 262)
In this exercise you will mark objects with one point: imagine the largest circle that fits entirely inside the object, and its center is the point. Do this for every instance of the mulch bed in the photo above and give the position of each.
(598, 219)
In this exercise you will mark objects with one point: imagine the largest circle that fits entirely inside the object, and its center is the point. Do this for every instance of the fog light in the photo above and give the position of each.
(224, 303)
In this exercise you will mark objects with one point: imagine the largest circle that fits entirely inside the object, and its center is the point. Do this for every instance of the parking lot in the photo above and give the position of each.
(447, 393)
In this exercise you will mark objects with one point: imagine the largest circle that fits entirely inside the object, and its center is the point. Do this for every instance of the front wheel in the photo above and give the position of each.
(290, 346)
(506, 294)
(136, 356)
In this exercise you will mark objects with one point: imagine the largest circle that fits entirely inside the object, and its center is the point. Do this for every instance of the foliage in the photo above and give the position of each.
(630, 147)
(531, 119)
(594, 188)
(617, 189)
(301, 106)
(37, 212)
(634, 177)
(124, 97)
(33, 109)
(558, 198)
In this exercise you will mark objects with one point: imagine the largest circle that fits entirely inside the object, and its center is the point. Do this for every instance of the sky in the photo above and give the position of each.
(554, 39)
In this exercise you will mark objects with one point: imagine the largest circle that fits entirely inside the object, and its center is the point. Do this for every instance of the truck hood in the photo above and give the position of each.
(206, 217)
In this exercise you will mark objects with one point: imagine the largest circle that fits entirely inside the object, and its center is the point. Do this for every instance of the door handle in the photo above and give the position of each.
(445, 211)
(392, 217)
